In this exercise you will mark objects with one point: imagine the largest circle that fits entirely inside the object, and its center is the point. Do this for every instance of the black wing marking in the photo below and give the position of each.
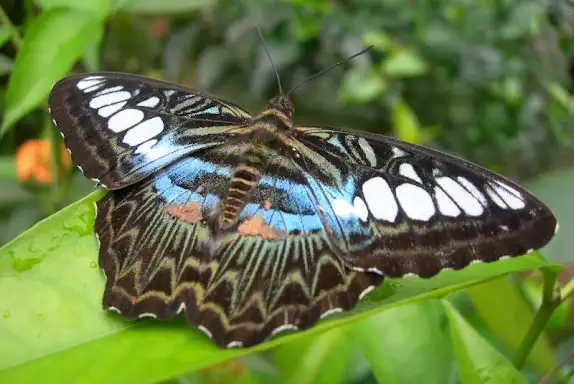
(274, 271)
(396, 209)
(120, 128)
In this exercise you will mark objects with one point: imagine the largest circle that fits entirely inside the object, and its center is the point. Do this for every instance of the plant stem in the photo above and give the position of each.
(550, 300)
(6, 22)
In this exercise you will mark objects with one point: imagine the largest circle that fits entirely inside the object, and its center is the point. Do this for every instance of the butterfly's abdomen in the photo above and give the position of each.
(243, 181)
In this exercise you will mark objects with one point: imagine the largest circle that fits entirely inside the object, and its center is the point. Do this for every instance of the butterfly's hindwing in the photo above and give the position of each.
(121, 128)
(274, 271)
(411, 210)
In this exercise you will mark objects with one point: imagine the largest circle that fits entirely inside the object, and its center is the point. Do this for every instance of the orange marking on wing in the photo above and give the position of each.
(190, 213)
(255, 226)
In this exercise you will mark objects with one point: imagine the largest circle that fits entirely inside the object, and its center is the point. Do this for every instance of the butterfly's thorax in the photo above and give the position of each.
(266, 129)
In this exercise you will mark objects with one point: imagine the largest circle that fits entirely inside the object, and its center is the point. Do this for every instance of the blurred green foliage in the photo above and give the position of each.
(490, 80)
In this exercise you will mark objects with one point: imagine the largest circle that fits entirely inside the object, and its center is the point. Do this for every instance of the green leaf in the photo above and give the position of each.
(382, 340)
(54, 41)
(555, 190)
(507, 314)
(6, 64)
(57, 332)
(404, 63)
(405, 123)
(7, 168)
(361, 85)
(380, 40)
(321, 360)
(5, 35)
(97, 7)
(160, 7)
(478, 361)
(13, 194)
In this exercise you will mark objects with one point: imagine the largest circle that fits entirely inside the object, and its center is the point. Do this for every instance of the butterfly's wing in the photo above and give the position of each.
(121, 128)
(274, 271)
(396, 208)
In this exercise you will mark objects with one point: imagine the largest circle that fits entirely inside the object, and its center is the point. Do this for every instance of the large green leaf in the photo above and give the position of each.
(52, 327)
(53, 42)
(478, 361)
(555, 189)
(390, 339)
(160, 7)
(100, 7)
(507, 314)
(324, 360)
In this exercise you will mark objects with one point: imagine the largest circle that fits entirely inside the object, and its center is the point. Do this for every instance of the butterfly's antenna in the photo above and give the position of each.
(329, 68)
(270, 59)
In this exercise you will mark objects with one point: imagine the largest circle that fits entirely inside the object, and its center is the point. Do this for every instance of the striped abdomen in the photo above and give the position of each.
(243, 182)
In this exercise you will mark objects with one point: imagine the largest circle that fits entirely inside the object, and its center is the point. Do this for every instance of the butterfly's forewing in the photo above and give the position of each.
(274, 271)
(397, 209)
(121, 128)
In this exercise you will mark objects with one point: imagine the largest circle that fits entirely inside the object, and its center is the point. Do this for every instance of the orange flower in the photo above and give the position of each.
(33, 161)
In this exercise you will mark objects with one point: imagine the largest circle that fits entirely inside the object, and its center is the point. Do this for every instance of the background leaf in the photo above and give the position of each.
(100, 7)
(555, 189)
(54, 41)
(415, 329)
(507, 314)
(160, 8)
(478, 361)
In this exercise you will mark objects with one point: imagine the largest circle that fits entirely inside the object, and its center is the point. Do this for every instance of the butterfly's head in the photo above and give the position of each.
(282, 104)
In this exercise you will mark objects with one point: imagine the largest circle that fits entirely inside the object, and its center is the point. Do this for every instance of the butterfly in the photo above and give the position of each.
(252, 226)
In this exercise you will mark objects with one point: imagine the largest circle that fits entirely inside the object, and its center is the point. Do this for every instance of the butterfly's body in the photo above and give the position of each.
(254, 226)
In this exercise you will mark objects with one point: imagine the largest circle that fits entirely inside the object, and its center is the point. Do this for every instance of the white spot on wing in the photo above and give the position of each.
(366, 291)
(361, 209)
(180, 309)
(94, 87)
(144, 131)
(109, 110)
(397, 152)
(380, 199)
(461, 196)
(114, 309)
(415, 201)
(494, 197)
(89, 82)
(145, 147)
(147, 314)
(283, 328)
(445, 204)
(235, 344)
(407, 170)
(368, 151)
(205, 330)
(345, 210)
(473, 190)
(110, 89)
(330, 312)
(109, 98)
(510, 195)
(151, 102)
(375, 270)
(125, 119)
